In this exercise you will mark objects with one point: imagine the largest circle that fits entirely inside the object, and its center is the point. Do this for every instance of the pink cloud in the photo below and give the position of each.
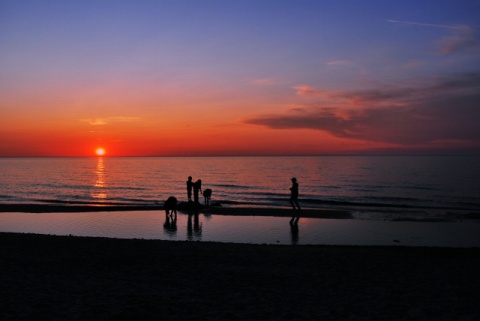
(340, 63)
(412, 64)
(444, 110)
(464, 38)
(262, 82)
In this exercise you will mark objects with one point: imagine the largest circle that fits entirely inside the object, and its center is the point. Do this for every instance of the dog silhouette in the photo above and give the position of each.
(207, 194)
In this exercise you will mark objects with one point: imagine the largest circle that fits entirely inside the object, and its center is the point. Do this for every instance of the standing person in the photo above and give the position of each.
(294, 194)
(197, 186)
(189, 188)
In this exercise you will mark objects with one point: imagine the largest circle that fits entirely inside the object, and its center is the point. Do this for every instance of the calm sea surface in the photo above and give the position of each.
(371, 187)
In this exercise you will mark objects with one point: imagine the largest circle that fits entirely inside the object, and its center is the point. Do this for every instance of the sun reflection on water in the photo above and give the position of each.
(100, 187)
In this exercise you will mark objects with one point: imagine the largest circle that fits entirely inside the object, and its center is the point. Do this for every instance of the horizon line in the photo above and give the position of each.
(227, 156)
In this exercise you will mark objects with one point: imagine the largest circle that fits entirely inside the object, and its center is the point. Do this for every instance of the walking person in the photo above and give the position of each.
(294, 194)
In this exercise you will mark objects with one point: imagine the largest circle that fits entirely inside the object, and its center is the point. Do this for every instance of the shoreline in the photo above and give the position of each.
(91, 278)
(227, 208)
(73, 208)
(265, 228)
(250, 210)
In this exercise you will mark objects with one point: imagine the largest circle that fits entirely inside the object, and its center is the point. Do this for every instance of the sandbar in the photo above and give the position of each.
(248, 210)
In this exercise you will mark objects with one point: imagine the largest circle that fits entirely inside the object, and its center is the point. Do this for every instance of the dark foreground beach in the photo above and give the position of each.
(74, 278)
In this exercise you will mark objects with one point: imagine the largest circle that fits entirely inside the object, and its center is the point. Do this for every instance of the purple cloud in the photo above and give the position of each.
(463, 39)
(442, 110)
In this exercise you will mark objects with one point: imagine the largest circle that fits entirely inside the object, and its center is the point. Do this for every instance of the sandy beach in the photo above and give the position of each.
(74, 278)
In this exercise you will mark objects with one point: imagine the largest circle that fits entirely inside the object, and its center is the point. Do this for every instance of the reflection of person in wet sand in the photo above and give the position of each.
(170, 207)
(194, 228)
(170, 224)
(189, 188)
(294, 229)
(294, 194)
(294, 221)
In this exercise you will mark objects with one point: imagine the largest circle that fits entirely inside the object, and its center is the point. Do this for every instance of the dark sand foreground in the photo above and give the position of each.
(73, 278)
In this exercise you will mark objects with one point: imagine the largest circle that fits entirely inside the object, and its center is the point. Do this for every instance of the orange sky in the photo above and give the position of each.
(223, 78)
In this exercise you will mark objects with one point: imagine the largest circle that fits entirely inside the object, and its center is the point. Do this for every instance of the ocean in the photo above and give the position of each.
(392, 188)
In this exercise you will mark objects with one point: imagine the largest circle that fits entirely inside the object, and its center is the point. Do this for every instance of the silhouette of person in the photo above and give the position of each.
(170, 207)
(294, 194)
(197, 187)
(189, 188)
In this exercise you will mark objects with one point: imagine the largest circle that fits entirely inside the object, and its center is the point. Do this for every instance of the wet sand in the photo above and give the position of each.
(66, 207)
(74, 278)
(249, 210)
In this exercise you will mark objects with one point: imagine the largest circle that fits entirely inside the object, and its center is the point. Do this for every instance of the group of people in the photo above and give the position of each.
(170, 205)
(194, 227)
(196, 187)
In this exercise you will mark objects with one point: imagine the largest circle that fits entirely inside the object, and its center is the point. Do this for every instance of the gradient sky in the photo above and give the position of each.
(144, 78)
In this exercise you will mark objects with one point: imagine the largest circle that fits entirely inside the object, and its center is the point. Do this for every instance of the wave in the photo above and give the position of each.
(125, 202)
(48, 186)
(264, 198)
(426, 219)
(231, 186)
(396, 203)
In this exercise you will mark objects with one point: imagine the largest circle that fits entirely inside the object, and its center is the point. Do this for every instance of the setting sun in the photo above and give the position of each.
(100, 151)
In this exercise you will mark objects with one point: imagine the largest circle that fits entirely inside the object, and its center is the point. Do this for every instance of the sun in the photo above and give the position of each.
(100, 151)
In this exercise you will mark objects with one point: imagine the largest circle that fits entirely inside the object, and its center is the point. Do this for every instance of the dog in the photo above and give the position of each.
(170, 207)
(207, 194)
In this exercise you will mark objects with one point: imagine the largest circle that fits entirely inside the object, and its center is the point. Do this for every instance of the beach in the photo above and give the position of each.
(229, 223)
(76, 278)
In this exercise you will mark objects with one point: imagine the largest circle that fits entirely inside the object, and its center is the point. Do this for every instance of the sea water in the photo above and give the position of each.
(418, 188)
(394, 200)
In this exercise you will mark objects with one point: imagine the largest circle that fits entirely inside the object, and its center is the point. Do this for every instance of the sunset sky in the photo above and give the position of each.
(200, 77)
